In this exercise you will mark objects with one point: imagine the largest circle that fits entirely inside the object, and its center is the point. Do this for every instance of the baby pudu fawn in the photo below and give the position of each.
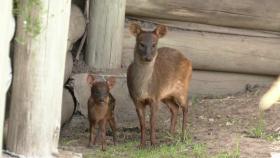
(157, 75)
(101, 106)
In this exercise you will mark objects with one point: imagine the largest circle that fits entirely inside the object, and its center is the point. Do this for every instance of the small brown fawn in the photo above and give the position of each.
(157, 75)
(101, 106)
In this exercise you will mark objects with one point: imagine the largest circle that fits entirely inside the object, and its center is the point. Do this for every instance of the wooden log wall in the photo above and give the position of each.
(217, 48)
(251, 14)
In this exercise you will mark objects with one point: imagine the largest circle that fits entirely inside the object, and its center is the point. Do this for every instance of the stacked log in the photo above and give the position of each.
(77, 26)
(218, 48)
(250, 14)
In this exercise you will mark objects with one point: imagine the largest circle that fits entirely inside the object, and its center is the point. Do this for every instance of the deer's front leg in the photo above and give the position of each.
(153, 119)
(140, 109)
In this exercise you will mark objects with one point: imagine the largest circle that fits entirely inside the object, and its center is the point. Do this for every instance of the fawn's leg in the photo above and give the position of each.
(92, 133)
(102, 126)
(113, 126)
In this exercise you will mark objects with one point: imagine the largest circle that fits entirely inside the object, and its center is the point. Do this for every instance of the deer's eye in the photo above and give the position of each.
(142, 45)
(154, 45)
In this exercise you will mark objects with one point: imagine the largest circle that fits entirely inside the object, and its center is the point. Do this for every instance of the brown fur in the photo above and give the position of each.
(101, 109)
(165, 79)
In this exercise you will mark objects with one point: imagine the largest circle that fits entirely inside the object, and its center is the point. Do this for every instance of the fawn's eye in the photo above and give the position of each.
(154, 45)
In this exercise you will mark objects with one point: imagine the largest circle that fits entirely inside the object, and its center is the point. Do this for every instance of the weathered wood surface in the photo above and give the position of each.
(229, 50)
(252, 14)
(39, 62)
(203, 83)
(105, 32)
(77, 26)
(7, 27)
(68, 66)
(68, 106)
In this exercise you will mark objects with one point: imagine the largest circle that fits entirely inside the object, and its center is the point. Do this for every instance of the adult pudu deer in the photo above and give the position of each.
(101, 105)
(271, 96)
(157, 75)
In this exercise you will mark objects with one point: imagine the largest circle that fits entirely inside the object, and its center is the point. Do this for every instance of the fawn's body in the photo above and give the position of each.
(157, 75)
(101, 105)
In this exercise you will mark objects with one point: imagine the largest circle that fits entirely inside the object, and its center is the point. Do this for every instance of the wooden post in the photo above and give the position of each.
(39, 58)
(7, 31)
(104, 47)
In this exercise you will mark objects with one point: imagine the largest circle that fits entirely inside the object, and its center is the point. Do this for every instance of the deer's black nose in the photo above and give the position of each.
(148, 58)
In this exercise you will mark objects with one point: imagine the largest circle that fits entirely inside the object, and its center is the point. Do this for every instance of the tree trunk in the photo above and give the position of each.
(39, 62)
(252, 14)
(218, 48)
(104, 48)
(6, 31)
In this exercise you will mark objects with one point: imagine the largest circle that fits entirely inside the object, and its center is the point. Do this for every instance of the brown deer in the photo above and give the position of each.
(101, 106)
(157, 75)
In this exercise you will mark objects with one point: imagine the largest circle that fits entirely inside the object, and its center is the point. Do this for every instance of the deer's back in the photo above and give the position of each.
(172, 73)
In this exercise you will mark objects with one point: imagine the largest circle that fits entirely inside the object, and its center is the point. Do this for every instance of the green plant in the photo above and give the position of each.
(30, 19)
(230, 154)
(199, 151)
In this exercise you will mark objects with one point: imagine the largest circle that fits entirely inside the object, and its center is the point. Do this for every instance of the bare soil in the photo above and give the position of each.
(221, 123)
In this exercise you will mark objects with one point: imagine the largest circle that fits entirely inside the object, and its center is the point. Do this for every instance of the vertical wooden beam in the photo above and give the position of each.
(7, 31)
(104, 47)
(39, 61)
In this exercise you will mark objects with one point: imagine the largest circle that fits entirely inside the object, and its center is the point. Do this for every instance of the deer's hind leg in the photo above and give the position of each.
(174, 108)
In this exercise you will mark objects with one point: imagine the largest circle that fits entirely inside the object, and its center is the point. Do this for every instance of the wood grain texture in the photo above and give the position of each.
(224, 49)
(252, 14)
(7, 27)
(68, 66)
(77, 26)
(39, 64)
(104, 46)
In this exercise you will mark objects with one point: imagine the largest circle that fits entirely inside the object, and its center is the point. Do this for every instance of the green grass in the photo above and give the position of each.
(259, 131)
(180, 146)
(195, 100)
(30, 12)
(130, 150)
(235, 153)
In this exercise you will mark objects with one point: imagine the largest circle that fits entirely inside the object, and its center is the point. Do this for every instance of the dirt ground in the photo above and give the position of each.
(220, 123)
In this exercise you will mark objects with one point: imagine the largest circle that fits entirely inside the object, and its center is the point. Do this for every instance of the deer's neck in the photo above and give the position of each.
(142, 77)
(143, 69)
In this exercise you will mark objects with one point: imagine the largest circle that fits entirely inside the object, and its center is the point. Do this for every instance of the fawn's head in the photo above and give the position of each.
(146, 41)
(100, 90)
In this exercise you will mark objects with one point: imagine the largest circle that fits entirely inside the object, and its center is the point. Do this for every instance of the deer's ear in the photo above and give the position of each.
(90, 79)
(111, 82)
(134, 29)
(160, 31)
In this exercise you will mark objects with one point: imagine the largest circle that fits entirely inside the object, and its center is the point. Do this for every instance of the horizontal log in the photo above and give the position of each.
(229, 50)
(205, 83)
(252, 14)
(223, 83)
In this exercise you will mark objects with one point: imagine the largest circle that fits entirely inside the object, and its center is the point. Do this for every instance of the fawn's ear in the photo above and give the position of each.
(134, 29)
(90, 79)
(111, 82)
(160, 31)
